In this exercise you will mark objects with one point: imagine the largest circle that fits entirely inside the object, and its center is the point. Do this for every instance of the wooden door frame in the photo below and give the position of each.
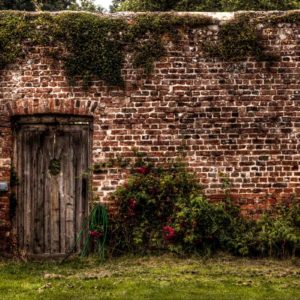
(54, 120)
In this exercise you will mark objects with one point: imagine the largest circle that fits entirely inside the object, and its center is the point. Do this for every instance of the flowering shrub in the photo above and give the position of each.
(145, 207)
(165, 209)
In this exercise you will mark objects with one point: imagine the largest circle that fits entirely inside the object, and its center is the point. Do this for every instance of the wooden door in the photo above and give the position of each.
(53, 157)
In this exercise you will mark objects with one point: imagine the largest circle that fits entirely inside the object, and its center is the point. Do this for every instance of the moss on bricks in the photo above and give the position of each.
(95, 45)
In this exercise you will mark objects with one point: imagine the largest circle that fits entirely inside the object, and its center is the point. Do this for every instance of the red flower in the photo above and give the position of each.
(96, 234)
(142, 170)
(132, 204)
(169, 233)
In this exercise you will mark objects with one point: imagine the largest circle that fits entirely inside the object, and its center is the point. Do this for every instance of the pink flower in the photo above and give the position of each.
(169, 233)
(142, 170)
(96, 234)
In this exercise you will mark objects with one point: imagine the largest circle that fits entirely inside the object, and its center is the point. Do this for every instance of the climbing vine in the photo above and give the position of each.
(242, 37)
(237, 40)
(94, 47)
(13, 30)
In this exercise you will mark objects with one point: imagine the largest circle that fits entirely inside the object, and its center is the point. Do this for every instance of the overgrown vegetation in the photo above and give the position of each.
(276, 233)
(165, 209)
(94, 47)
(237, 40)
(13, 31)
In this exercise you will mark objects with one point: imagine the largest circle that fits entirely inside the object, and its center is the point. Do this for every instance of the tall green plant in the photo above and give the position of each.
(276, 233)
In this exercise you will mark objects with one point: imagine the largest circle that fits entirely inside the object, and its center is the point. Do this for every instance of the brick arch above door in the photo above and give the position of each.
(52, 106)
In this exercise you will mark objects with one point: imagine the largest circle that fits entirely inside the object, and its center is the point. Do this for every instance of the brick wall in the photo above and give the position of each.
(241, 119)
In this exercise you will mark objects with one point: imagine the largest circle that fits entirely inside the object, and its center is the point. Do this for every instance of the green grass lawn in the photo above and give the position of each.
(162, 277)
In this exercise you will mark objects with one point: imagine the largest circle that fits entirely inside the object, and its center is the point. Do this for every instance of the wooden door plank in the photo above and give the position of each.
(38, 198)
(62, 154)
(47, 192)
(70, 204)
(20, 189)
(76, 144)
(42, 190)
(85, 170)
(55, 203)
(27, 196)
(33, 189)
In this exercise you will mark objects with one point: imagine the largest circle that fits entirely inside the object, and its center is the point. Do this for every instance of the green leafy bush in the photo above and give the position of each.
(145, 205)
(165, 209)
(162, 209)
(276, 234)
(204, 227)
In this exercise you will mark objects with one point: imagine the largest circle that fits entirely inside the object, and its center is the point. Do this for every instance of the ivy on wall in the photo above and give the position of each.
(12, 33)
(241, 37)
(95, 46)
(237, 40)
